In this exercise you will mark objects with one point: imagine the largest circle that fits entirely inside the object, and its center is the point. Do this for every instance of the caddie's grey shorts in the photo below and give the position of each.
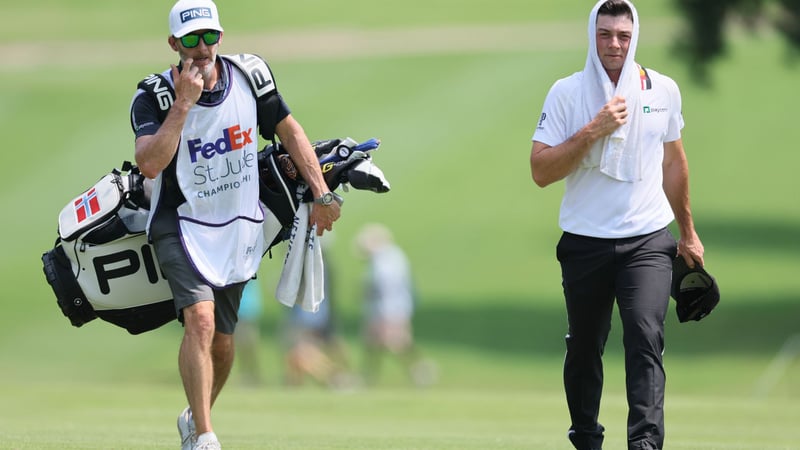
(188, 288)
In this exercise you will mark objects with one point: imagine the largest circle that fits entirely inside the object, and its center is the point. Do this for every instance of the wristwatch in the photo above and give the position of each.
(325, 200)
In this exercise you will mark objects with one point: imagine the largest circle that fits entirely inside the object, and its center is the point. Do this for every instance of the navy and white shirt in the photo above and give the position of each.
(211, 186)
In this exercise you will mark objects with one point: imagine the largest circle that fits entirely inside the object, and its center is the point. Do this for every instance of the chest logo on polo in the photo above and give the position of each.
(650, 109)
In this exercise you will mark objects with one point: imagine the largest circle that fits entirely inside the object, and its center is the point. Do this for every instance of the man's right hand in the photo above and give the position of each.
(188, 83)
(613, 115)
(154, 152)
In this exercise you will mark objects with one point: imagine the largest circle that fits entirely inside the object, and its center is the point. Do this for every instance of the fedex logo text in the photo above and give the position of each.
(195, 13)
(233, 138)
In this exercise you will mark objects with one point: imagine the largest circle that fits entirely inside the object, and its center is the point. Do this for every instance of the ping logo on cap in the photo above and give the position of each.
(195, 13)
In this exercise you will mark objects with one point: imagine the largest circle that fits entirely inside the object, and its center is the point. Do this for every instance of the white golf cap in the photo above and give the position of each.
(192, 15)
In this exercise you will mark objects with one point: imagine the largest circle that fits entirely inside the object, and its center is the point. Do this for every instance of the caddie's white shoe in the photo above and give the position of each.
(186, 429)
(207, 441)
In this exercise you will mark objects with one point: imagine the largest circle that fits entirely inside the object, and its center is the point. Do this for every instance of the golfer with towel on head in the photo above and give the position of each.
(613, 132)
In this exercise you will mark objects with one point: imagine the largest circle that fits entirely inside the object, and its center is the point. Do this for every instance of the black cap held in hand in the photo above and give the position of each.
(695, 291)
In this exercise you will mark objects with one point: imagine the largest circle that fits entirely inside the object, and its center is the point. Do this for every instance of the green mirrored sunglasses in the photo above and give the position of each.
(193, 40)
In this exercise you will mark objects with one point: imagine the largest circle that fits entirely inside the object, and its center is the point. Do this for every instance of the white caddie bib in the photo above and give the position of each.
(221, 222)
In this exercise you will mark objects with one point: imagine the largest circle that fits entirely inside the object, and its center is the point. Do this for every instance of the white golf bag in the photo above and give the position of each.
(102, 264)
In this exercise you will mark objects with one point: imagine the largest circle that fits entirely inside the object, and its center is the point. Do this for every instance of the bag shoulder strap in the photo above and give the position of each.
(160, 89)
(253, 67)
(257, 72)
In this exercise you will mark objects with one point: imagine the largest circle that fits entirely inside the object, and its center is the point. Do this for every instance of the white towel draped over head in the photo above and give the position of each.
(618, 155)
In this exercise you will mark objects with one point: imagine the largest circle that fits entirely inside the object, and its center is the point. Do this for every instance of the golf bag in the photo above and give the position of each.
(102, 264)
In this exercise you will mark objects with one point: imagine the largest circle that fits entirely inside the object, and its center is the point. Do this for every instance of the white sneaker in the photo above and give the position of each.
(186, 429)
(207, 441)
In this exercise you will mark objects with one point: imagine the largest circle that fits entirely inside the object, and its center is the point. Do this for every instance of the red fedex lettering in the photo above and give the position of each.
(239, 138)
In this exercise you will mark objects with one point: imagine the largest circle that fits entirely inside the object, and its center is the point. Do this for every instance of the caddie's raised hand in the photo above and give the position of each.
(188, 82)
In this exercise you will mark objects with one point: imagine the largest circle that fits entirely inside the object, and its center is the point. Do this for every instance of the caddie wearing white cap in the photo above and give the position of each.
(191, 15)
(195, 125)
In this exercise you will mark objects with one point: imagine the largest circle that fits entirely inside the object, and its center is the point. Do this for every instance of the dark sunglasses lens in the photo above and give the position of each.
(190, 40)
(211, 37)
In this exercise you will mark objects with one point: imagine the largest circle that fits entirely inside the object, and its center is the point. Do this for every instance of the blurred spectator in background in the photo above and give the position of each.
(389, 301)
(248, 334)
(312, 345)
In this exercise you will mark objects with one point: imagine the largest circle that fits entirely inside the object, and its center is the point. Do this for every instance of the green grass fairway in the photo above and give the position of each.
(453, 89)
(120, 416)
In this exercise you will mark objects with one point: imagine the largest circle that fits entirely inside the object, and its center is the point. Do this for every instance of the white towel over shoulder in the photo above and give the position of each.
(618, 155)
(302, 279)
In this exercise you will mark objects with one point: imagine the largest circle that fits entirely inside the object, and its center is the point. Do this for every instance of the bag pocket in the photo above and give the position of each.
(69, 295)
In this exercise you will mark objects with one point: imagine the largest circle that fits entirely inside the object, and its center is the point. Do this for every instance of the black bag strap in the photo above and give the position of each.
(69, 295)
(257, 72)
(160, 89)
(253, 67)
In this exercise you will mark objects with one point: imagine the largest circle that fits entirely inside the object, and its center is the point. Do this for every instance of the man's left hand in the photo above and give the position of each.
(323, 216)
(692, 250)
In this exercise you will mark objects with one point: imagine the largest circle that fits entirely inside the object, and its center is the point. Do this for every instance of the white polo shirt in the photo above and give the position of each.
(595, 204)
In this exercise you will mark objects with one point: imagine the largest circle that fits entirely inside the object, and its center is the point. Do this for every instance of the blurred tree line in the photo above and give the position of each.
(705, 39)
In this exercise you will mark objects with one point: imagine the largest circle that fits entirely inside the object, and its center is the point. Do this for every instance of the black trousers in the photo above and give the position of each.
(637, 272)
